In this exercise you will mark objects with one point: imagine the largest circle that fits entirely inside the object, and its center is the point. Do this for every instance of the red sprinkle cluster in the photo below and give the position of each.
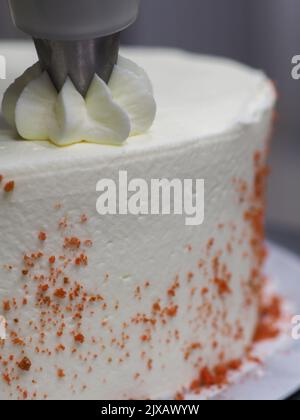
(8, 186)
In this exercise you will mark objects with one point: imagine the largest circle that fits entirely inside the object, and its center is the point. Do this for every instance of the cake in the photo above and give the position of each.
(136, 306)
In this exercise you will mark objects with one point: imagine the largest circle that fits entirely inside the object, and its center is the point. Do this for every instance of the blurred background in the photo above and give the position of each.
(262, 33)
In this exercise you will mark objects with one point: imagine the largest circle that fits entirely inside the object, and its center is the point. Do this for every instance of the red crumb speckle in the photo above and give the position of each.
(43, 288)
(222, 286)
(83, 218)
(273, 309)
(210, 244)
(145, 338)
(60, 293)
(79, 338)
(190, 276)
(82, 260)
(52, 260)
(217, 376)
(9, 186)
(156, 307)
(60, 373)
(25, 364)
(6, 306)
(206, 377)
(270, 314)
(60, 348)
(172, 311)
(72, 243)
(266, 332)
(235, 364)
(179, 397)
(254, 359)
(6, 378)
(1, 178)
(42, 236)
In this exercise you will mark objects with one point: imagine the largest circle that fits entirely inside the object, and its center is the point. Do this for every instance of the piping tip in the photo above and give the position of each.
(79, 60)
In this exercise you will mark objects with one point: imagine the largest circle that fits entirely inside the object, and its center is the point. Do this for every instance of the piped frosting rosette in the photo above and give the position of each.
(109, 114)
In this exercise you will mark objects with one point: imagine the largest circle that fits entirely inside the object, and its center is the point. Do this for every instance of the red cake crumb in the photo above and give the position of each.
(156, 307)
(254, 359)
(6, 378)
(1, 178)
(79, 338)
(172, 311)
(145, 338)
(210, 244)
(42, 236)
(270, 315)
(44, 288)
(60, 348)
(83, 218)
(6, 306)
(206, 378)
(217, 376)
(190, 276)
(60, 373)
(25, 364)
(266, 332)
(223, 287)
(191, 349)
(52, 260)
(60, 293)
(82, 260)
(9, 186)
(235, 364)
(174, 287)
(179, 397)
(72, 243)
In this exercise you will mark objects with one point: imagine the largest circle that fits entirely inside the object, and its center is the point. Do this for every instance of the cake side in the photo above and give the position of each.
(106, 307)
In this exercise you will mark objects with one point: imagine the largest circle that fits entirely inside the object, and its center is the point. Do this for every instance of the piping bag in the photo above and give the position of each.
(75, 38)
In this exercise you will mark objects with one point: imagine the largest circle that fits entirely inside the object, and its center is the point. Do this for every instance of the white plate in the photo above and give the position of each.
(279, 378)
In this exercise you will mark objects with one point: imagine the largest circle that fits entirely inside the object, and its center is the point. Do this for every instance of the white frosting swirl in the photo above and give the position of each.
(108, 115)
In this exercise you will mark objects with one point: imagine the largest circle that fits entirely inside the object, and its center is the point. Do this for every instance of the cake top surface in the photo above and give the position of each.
(199, 98)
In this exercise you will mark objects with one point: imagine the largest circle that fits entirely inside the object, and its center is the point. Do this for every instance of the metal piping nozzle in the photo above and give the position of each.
(75, 38)
(79, 60)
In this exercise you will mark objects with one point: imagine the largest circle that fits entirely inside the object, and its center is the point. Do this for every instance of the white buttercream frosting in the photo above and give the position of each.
(109, 114)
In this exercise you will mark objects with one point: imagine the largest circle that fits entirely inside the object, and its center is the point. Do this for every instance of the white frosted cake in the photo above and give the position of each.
(135, 306)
